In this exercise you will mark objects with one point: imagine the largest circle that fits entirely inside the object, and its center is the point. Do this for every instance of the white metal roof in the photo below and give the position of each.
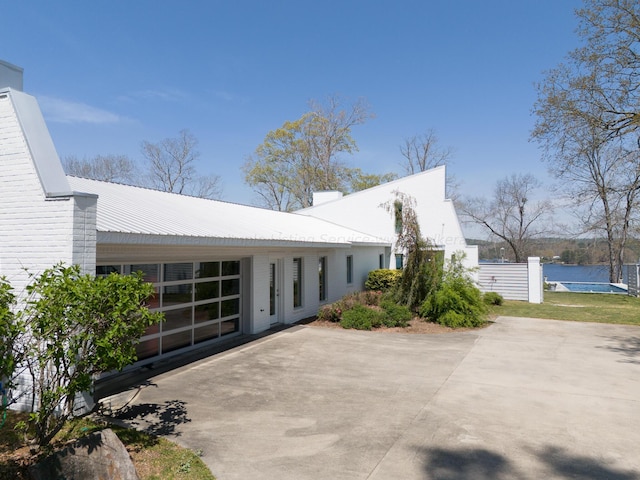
(125, 211)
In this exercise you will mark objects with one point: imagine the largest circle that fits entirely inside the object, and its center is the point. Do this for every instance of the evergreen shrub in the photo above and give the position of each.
(382, 279)
(493, 298)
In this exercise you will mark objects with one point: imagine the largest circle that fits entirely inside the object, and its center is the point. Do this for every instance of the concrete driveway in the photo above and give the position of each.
(523, 398)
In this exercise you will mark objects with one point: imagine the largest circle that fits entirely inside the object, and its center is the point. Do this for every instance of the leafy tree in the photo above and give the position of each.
(171, 163)
(510, 215)
(358, 180)
(304, 156)
(108, 168)
(73, 328)
(588, 119)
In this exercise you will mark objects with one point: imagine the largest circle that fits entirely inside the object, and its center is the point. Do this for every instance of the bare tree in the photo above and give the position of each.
(509, 214)
(172, 167)
(108, 168)
(422, 152)
(588, 121)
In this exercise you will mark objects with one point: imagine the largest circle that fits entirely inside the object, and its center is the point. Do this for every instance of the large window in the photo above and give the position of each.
(322, 278)
(200, 302)
(297, 282)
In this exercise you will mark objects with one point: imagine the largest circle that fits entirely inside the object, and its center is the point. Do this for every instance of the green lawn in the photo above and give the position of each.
(579, 307)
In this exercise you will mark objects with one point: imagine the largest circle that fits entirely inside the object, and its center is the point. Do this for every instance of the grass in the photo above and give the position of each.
(155, 458)
(578, 307)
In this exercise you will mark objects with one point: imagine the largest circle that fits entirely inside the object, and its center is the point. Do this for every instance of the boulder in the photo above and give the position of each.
(98, 456)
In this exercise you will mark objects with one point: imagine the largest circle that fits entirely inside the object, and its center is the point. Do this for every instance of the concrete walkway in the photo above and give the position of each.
(523, 398)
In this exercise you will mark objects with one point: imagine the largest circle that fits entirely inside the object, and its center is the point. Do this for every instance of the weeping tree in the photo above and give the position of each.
(422, 269)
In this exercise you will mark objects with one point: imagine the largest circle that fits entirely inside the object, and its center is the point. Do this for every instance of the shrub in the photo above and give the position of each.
(493, 298)
(457, 302)
(330, 313)
(395, 315)
(382, 280)
(362, 318)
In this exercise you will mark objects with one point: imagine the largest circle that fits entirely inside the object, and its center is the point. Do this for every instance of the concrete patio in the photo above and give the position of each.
(522, 398)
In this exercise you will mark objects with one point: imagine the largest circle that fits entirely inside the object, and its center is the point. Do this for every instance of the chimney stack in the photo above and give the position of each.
(10, 76)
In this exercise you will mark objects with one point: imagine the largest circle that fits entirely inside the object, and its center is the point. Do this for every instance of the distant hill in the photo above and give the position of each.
(583, 251)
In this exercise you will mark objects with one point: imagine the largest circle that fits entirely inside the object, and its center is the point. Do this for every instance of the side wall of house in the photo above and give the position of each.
(37, 231)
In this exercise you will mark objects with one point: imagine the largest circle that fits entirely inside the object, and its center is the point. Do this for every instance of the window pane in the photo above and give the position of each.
(104, 270)
(230, 287)
(230, 307)
(178, 271)
(206, 290)
(399, 261)
(207, 332)
(148, 348)
(349, 268)
(322, 277)
(209, 311)
(381, 260)
(207, 269)
(230, 326)
(149, 271)
(297, 282)
(154, 300)
(176, 341)
(176, 294)
(231, 268)
(151, 329)
(176, 319)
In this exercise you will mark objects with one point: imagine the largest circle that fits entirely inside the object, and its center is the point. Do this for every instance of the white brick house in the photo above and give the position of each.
(220, 269)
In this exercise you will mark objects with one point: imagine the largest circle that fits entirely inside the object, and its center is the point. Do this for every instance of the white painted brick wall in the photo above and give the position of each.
(37, 232)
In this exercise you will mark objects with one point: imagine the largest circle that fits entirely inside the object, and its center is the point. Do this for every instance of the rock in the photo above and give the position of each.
(98, 456)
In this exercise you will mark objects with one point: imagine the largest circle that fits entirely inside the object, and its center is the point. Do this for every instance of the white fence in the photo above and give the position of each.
(514, 281)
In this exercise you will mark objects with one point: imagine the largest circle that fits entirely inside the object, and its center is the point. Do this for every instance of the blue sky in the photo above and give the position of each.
(109, 75)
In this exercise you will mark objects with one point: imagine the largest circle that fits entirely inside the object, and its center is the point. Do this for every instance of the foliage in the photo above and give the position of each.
(153, 457)
(510, 215)
(303, 156)
(422, 270)
(171, 163)
(457, 302)
(73, 328)
(10, 331)
(361, 317)
(588, 122)
(383, 279)
(333, 312)
(493, 298)
(395, 315)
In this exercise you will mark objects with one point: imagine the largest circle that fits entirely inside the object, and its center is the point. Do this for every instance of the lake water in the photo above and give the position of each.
(554, 272)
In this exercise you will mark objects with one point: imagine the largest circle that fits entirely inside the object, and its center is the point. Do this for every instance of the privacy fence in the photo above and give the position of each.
(514, 281)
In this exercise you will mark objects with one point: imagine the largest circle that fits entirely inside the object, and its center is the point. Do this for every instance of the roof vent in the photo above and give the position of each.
(10, 76)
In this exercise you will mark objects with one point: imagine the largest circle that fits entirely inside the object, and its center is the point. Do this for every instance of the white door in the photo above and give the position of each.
(274, 290)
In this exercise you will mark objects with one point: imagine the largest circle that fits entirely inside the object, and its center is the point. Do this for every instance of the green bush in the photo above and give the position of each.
(493, 298)
(382, 280)
(362, 318)
(457, 302)
(395, 315)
